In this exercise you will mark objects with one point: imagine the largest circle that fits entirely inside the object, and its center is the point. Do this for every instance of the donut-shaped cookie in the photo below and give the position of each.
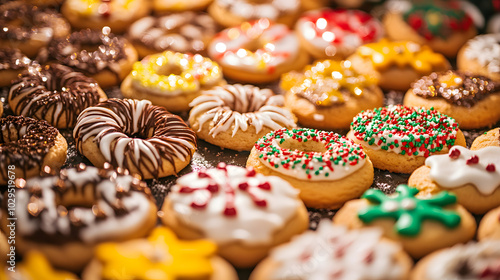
(236, 116)
(445, 26)
(421, 225)
(489, 227)
(474, 260)
(255, 212)
(336, 34)
(27, 146)
(327, 168)
(229, 13)
(397, 64)
(96, 14)
(65, 216)
(103, 56)
(29, 28)
(172, 6)
(171, 79)
(472, 100)
(335, 250)
(329, 93)
(161, 255)
(489, 138)
(186, 32)
(54, 93)
(473, 176)
(399, 138)
(136, 135)
(12, 63)
(480, 56)
(257, 52)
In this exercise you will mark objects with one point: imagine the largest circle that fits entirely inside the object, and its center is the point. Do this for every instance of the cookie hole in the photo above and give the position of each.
(170, 69)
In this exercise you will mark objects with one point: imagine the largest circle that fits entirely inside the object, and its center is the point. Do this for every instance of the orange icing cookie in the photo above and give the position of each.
(161, 256)
(384, 54)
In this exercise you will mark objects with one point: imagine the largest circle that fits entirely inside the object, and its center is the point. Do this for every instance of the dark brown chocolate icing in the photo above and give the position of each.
(24, 143)
(54, 87)
(20, 22)
(13, 59)
(72, 52)
(158, 134)
(467, 92)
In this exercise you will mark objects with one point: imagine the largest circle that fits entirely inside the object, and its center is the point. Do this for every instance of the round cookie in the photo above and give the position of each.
(257, 52)
(472, 100)
(462, 261)
(419, 224)
(327, 168)
(245, 213)
(473, 176)
(395, 65)
(335, 250)
(445, 26)
(399, 138)
(489, 138)
(480, 56)
(329, 93)
(12, 63)
(160, 256)
(236, 116)
(336, 33)
(174, 6)
(35, 266)
(489, 227)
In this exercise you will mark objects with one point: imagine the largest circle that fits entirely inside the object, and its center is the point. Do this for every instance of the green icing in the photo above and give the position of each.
(409, 211)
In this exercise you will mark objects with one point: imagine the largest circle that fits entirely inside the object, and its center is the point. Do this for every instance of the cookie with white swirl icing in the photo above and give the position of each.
(481, 55)
(470, 261)
(474, 176)
(255, 212)
(335, 250)
(236, 116)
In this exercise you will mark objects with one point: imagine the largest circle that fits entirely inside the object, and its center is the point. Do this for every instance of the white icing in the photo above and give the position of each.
(486, 50)
(278, 45)
(51, 221)
(334, 252)
(240, 106)
(452, 173)
(478, 257)
(252, 225)
(271, 9)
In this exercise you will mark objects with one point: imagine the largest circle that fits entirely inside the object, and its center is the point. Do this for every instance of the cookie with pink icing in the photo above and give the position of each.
(257, 52)
(473, 175)
(334, 251)
(66, 215)
(329, 33)
(242, 211)
(479, 260)
(236, 116)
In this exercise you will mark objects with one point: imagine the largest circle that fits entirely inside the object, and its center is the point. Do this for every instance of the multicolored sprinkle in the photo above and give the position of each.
(340, 157)
(405, 130)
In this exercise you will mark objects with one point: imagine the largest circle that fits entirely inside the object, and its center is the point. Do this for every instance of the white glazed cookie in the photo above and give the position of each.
(481, 55)
(335, 250)
(242, 112)
(255, 212)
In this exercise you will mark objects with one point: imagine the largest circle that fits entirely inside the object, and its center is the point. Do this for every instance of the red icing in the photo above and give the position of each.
(472, 160)
(491, 167)
(454, 154)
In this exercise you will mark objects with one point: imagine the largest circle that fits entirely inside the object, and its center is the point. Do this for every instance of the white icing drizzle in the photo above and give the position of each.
(453, 172)
(261, 204)
(333, 252)
(241, 106)
(248, 9)
(113, 192)
(486, 50)
(470, 261)
(277, 44)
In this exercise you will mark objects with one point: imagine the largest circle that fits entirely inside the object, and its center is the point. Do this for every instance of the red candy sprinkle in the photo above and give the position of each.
(491, 167)
(243, 186)
(454, 154)
(472, 160)
(265, 186)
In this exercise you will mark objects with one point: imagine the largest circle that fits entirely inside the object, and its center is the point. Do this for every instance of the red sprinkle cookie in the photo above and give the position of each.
(337, 33)
(399, 138)
(329, 169)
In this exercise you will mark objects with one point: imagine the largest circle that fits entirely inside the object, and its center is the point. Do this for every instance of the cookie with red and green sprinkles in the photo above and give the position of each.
(314, 161)
(398, 138)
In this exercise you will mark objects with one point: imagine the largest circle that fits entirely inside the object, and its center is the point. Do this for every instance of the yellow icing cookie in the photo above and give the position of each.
(161, 256)
(36, 266)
